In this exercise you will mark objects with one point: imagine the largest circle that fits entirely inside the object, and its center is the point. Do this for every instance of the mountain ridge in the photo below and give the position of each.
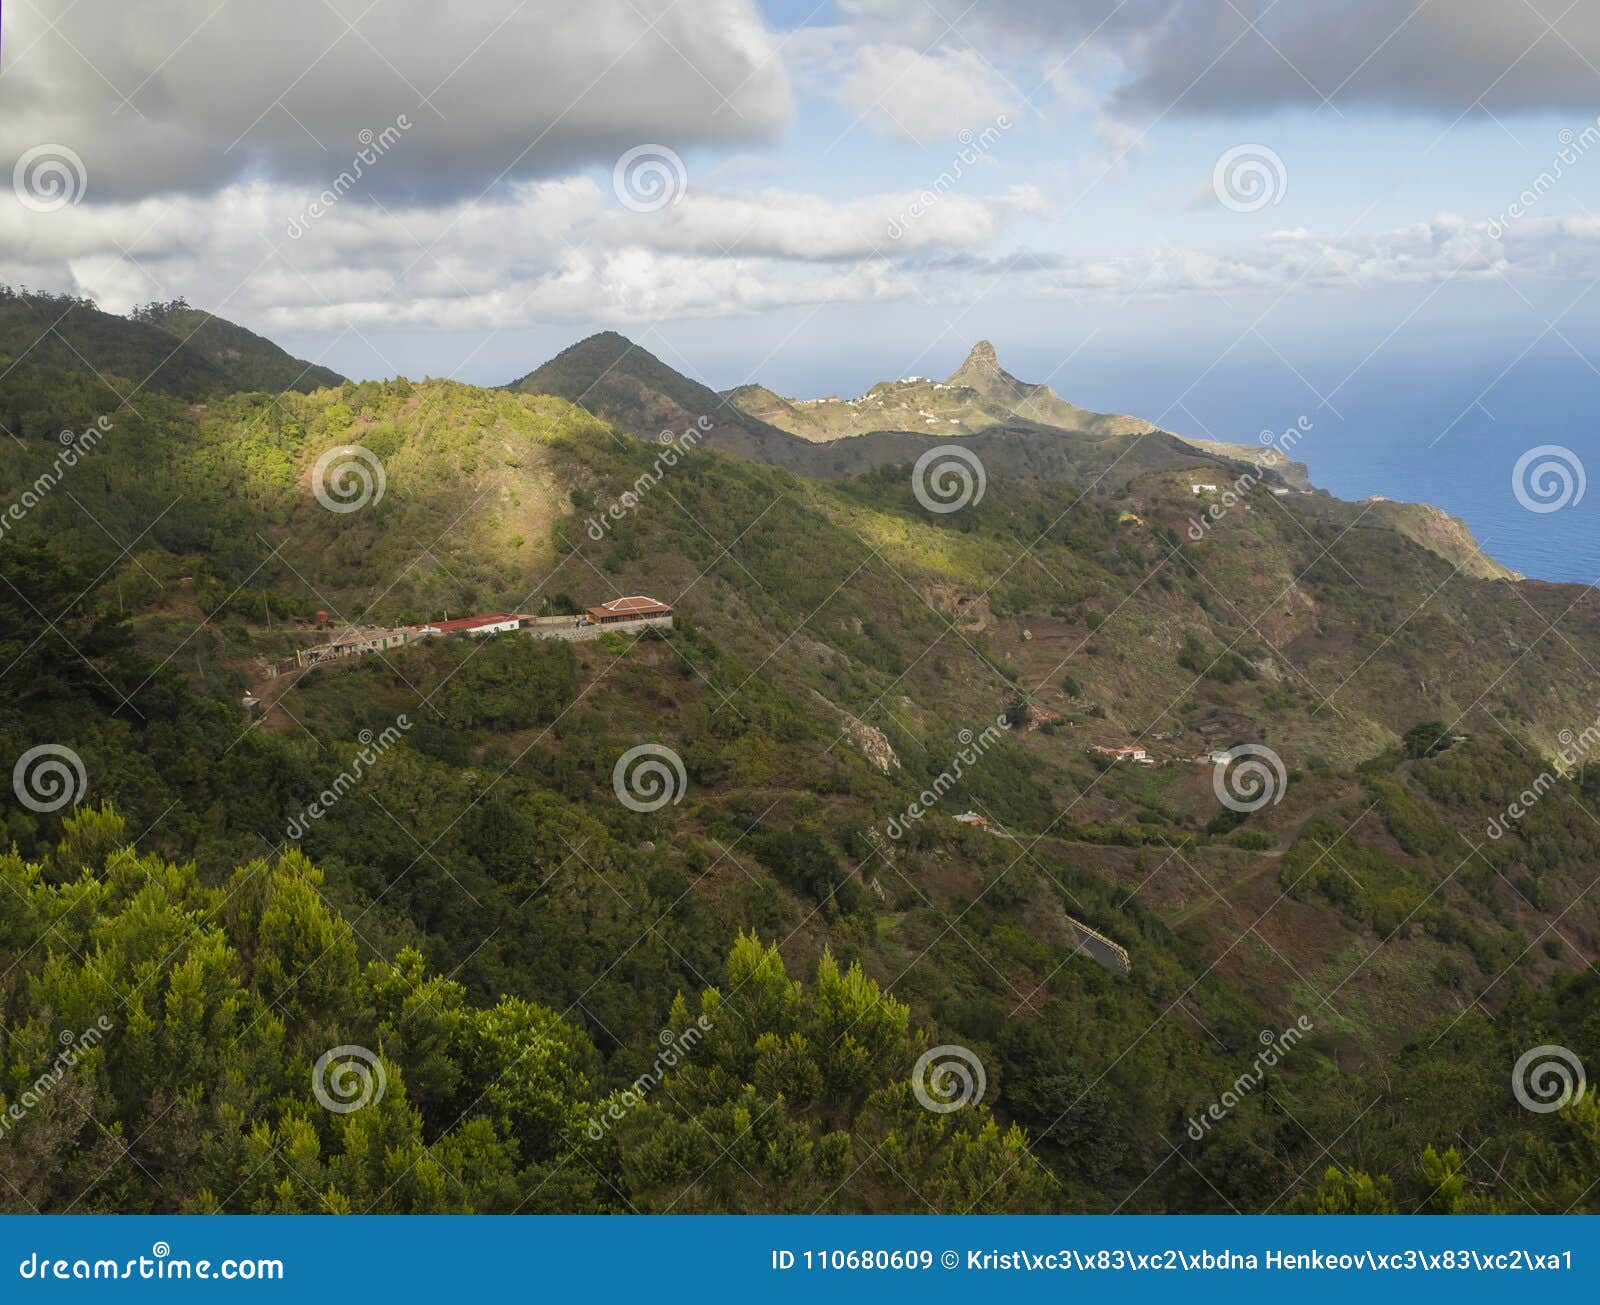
(1016, 429)
(980, 394)
(622, 383)
(251, 361)
(167, 347)
(1286, 625)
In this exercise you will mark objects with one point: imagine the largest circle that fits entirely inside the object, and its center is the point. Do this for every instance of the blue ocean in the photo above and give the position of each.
(1433, 415)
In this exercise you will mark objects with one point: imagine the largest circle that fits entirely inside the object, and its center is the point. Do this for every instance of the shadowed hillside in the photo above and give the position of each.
(167, 348)
(249, 361)
(631, 388)
(838, 647)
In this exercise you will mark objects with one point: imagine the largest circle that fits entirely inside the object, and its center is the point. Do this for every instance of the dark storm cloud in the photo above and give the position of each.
(1437, 57)
(190, 95)
(1216, 57)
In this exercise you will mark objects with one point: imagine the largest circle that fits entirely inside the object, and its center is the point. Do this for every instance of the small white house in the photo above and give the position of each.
(495, 623)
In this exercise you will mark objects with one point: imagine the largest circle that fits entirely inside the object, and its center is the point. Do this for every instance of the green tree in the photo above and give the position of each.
(1346, 1192)
(1425, 738)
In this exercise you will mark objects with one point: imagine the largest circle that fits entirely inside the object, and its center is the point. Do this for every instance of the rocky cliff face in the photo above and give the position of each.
(1448, 536)
(982, 373)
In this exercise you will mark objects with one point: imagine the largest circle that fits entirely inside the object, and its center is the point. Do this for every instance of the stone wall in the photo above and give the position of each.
(569, 628)
(584, 632)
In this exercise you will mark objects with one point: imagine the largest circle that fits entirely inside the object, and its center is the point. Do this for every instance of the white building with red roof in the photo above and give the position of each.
(494, 623)
(631, 610)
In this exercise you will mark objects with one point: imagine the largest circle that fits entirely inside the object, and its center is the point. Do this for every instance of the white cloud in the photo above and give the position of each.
(902, 91)
(1446, 247)
(567, 250)
(779, 224)
(165, 96)
(532, 251)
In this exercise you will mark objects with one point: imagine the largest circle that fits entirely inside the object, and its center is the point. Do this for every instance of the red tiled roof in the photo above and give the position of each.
(633, 608)
(472, 622)
(637, 604)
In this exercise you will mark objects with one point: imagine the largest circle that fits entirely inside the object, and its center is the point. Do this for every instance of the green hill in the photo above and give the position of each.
(632, 389)
(840, 652)
(980, 394)
(249, 361)
(166, 348)
(1015, 429)
(629, 387)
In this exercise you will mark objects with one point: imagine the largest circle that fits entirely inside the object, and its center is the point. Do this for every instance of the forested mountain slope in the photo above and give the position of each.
(1013, 428)
(627, 386)
(511, 940)
(163, 348)
(249, 361)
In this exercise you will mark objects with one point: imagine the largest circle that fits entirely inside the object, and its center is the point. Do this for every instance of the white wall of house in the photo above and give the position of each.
(570, 628)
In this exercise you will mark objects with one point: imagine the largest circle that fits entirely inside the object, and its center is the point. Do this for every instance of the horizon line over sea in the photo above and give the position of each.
(1476, 483)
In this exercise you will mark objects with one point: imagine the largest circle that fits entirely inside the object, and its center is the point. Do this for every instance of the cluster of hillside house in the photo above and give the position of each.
(622, 614)
(1134, 754)
(1139, 756)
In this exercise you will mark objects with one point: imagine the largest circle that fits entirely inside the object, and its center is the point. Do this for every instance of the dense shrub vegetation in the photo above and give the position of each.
(515, 946)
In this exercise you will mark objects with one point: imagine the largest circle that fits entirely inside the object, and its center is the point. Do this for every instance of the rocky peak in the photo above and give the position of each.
(982, 363)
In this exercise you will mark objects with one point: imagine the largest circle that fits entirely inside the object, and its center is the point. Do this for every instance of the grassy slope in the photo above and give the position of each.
(630, 388)
(1015, 428)
(982, 396)
(978, 395)
(921, 626)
